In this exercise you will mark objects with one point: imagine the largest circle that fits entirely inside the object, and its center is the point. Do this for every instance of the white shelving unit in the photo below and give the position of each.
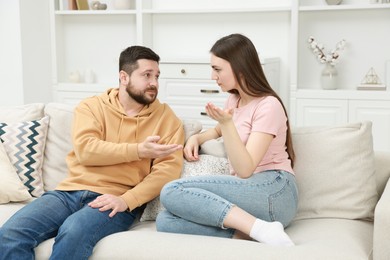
(174, 29)
(353, 21)
(186, 30)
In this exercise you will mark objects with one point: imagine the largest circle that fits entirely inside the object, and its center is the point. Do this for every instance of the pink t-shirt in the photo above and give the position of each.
(266, 115)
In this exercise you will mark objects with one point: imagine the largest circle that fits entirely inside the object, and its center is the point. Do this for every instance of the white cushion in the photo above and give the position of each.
(24, 143)
(11, 187)
(191, 127)
(213, 147)
(13, 114)
(206, 165)
(335, 171)
(58, 144)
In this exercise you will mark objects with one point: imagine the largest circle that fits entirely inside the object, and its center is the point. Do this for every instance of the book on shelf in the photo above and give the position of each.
(82, 5)
(74, 5)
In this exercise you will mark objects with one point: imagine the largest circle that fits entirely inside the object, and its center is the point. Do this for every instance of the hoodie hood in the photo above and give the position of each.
(111, 99)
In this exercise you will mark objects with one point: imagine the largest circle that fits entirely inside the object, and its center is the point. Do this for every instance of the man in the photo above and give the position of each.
(127, 145)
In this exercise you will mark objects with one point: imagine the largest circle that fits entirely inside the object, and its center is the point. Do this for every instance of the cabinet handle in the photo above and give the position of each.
(209, 91)
(183, 71)
(203, 113)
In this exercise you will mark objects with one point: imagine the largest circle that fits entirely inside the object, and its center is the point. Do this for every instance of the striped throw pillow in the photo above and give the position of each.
(24, 143)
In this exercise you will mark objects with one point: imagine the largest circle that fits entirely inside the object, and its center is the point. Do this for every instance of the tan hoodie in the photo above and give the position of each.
(105, 155)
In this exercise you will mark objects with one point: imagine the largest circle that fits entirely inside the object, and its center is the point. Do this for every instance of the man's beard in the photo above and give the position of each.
(140, 96)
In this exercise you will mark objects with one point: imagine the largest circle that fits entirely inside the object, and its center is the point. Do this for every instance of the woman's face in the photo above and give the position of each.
(222, 73)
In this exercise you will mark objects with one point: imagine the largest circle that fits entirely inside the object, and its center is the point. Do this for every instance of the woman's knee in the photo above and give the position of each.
(167, 192)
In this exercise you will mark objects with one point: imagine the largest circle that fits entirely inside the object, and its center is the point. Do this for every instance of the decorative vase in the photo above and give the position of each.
(329, 77)
(123, 4)
(333, 2)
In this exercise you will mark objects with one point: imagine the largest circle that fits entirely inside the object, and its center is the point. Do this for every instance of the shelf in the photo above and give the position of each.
(343, 7)
(83, 87)
(94, 12)
(211, 11)
(343, 94)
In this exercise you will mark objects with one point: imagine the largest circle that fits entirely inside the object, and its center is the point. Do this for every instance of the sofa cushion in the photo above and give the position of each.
(213, 147)
(11, 187)
(206, 165)
(191, 127)
(24, 143)
(13, 114)
(58, 144)
(335, 171)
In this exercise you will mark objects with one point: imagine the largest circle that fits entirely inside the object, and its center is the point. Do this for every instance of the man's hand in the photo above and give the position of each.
(107, 202)
(151, 149)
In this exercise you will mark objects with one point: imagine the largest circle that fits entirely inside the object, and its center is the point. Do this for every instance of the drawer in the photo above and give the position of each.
(203, 89)
(185, 70)
(191, 112)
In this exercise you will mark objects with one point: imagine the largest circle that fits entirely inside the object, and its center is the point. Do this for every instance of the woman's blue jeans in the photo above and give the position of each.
(66, 216)
(199, 205)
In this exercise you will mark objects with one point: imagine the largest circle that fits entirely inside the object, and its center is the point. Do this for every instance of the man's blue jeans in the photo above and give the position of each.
(199, 205)
(66, 216)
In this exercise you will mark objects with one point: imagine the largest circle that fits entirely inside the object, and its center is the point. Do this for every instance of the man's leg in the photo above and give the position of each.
(31, 225)
(82, 230)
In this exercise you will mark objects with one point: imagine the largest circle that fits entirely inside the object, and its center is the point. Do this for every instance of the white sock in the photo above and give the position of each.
(271, 233)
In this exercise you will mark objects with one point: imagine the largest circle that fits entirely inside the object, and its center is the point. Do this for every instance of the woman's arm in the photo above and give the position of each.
(243, 158)
(191, 148)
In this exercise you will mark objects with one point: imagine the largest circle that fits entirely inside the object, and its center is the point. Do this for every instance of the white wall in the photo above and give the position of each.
(11, 72)
(25, 65)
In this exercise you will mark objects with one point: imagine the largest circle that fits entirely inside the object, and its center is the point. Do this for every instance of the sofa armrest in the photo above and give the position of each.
(382, 226)
(382, 170)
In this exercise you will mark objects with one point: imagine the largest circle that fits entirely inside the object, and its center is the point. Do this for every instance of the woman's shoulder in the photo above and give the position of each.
(267, 101)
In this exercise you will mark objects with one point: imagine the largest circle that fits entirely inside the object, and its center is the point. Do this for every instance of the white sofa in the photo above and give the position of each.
(344, 207)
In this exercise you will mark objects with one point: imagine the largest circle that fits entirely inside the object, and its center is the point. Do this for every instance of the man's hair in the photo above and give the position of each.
(128, 60)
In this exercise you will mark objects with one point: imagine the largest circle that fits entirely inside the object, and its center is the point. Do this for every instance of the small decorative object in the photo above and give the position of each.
(74, 76)
(122, 4)
(89, 76)
(96, 5)
(333, 2)
(329, 73)
(371, 81)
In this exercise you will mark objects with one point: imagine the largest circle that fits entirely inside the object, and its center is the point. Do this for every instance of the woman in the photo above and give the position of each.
(260, 198)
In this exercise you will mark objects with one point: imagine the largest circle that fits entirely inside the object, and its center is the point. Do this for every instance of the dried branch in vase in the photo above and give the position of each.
(331, 57)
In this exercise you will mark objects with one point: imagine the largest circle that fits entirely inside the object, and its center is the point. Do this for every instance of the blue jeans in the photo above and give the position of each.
(66, 216)
(199, 205)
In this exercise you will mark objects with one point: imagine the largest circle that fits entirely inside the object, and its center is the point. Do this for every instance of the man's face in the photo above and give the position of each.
(143, 82)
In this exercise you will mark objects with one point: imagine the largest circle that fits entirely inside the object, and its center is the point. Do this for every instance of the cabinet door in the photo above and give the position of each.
(321, 112)
(378, 112)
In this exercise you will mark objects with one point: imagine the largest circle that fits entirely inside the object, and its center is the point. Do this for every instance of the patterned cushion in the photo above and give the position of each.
(11, 187)
(207, 165)
(24, 143)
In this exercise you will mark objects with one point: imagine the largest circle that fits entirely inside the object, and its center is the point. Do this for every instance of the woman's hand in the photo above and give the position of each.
(191, 149)
(218, 114)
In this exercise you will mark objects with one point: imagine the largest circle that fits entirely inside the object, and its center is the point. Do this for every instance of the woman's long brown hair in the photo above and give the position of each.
(240, 52)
